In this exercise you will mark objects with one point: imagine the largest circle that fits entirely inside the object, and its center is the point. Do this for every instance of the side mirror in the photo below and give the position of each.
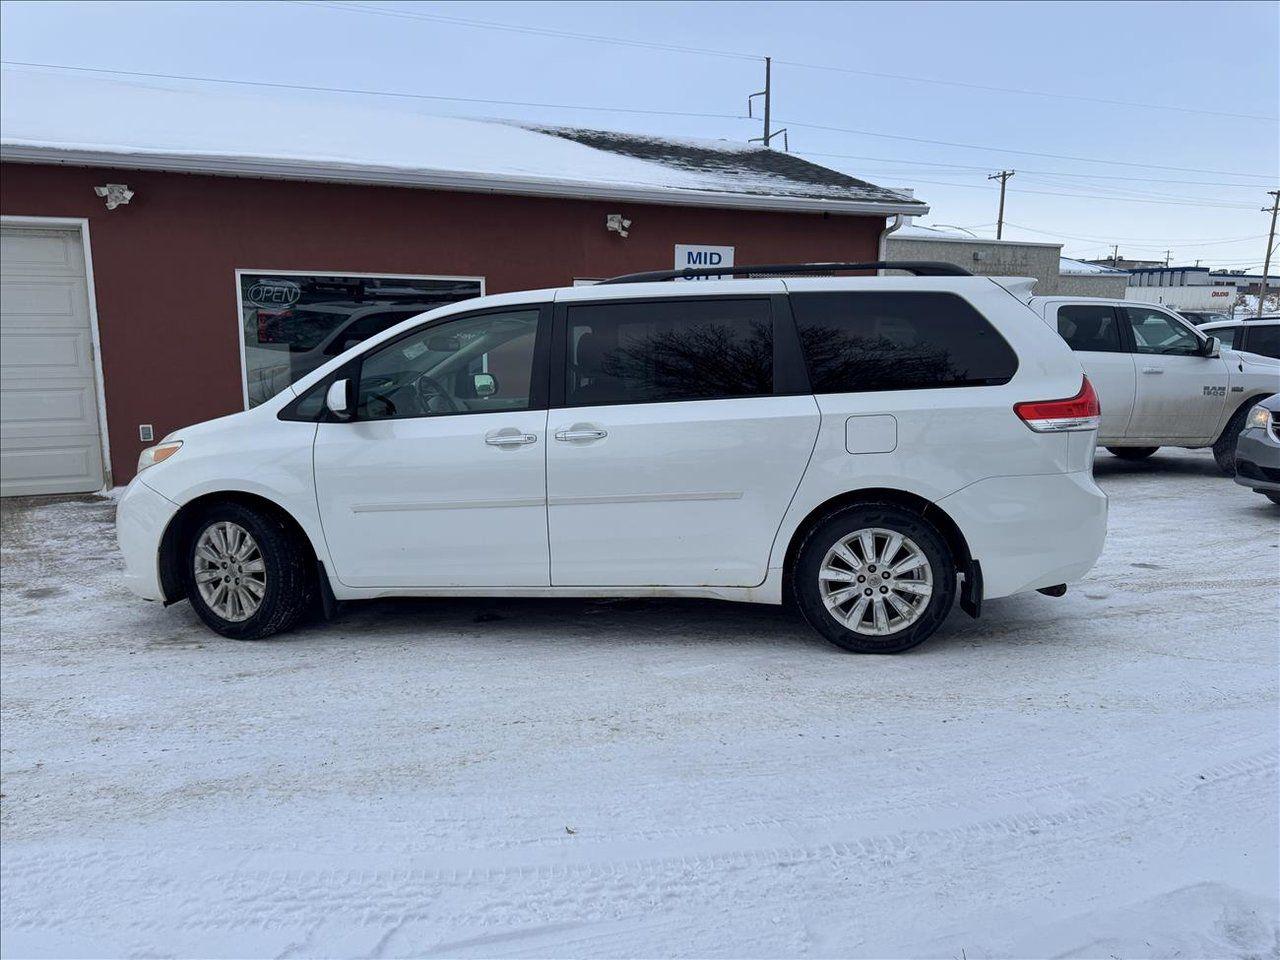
(352, 342)
(1212, 348)
(484, 384)
(337, 400)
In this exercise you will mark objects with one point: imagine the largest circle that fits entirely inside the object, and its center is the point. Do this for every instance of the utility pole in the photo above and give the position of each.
(1115, 254)
(1003, 176)
(768, 96)
(1168, 255)
(1271, 242)
(767, 93)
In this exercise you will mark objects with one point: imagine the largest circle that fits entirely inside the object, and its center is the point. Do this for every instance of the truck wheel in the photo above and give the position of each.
(1132, 453)
(874, 578)
(247, 573)
(1224, 450)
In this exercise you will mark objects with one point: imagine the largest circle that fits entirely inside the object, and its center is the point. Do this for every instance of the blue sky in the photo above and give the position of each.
(1190, 179)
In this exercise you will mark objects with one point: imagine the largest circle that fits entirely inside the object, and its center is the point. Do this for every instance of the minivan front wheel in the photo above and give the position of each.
(875, 578)
(247, 572)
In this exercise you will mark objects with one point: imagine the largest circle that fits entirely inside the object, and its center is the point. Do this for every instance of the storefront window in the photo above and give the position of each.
(293, 323)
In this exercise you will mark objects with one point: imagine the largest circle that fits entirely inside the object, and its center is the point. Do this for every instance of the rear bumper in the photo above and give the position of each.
(1031, 532)
(1257, 460)
(141, 518)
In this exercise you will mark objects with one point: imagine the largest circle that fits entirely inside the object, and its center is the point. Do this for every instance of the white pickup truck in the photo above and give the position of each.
(1161, 383)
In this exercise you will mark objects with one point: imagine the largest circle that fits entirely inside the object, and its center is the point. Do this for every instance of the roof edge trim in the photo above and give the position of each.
(18, 152)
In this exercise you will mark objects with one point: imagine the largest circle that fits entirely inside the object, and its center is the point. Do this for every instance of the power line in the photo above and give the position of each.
(1099, 190)
(519, 28)
(1030, 93)
(1184, 241)
(374, 93)
(1089, 196)
(737, 55)
(1127, 191)
(1026, 153)
(1054, 173)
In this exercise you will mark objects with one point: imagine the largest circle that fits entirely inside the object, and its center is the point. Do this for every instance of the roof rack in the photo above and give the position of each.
(921, 268)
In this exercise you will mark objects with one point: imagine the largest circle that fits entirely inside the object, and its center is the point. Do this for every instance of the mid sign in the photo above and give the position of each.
(700, 257)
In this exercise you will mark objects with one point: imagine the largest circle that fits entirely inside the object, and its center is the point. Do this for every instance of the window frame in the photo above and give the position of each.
(239, 271)
(1246, 335)
(1239, 338)
(1125, 331)
(789, 375)
(539, 378)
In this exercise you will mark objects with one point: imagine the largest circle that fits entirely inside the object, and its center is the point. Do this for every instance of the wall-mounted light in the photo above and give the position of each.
(617, 223)
(116, 194)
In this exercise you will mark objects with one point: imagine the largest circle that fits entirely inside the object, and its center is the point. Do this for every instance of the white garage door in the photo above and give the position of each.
(49, 435)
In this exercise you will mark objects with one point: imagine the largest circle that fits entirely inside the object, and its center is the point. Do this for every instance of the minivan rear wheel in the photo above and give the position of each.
(246, 572)
(874, 578)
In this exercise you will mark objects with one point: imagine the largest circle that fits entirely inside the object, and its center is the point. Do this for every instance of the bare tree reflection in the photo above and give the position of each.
(840, 361)
(697, 361)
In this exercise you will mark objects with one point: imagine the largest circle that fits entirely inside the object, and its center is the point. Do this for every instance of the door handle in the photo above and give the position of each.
(1153, 370)
(513, 439)
(582, 433)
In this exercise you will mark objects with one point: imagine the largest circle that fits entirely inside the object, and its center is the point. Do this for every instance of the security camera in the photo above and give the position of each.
(617, 223)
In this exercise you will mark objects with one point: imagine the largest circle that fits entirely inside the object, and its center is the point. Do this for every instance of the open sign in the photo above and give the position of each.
(274, 293)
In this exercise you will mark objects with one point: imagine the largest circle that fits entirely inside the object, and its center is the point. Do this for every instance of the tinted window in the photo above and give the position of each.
(1264, 340)
(898, 341)
(1090, 327)
(1226, 335)
(1155, 331)
(697, 349)
(477, 364)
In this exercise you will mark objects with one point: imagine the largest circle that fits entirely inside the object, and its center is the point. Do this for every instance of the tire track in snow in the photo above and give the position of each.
(281, 898)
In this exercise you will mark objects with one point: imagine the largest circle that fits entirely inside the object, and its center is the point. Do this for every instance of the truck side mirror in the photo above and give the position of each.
(1212, 348)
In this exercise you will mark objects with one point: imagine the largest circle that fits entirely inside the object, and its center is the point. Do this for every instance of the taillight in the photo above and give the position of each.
(1080, 412)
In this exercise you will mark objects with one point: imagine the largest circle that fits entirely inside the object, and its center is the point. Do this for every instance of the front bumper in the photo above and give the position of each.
(141, 518)
(1031, 532)
(1258, 460)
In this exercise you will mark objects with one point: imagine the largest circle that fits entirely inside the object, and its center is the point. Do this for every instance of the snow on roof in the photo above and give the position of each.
(1078, 268)
(48, 116)
(919, 231)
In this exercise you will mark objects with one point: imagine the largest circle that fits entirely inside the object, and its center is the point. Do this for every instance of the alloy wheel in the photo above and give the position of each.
(875, 581)
(230, 572)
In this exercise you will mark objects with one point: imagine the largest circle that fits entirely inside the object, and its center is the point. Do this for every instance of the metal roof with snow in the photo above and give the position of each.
(1079, 268)
(87, 120)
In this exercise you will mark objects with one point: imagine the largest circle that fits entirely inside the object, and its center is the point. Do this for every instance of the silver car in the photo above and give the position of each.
(1258, 449)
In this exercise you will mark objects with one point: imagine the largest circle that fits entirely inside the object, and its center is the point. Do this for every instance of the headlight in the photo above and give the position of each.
(158, 454)
(1259, 417)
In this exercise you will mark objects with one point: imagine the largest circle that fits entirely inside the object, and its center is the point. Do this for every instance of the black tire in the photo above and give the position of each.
(1224, 450)
(290, 579)
(1132, 453)
(840, 524)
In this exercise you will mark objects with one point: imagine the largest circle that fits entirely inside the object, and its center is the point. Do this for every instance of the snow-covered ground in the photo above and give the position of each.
(1088, 776)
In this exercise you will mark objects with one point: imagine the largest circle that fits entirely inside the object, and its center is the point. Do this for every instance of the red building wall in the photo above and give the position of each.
(164, 265)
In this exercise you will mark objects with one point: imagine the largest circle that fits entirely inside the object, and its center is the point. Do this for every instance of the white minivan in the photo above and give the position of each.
(869, 447)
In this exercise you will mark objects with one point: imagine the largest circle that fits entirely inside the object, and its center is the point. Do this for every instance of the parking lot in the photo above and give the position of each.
(1094, 775)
